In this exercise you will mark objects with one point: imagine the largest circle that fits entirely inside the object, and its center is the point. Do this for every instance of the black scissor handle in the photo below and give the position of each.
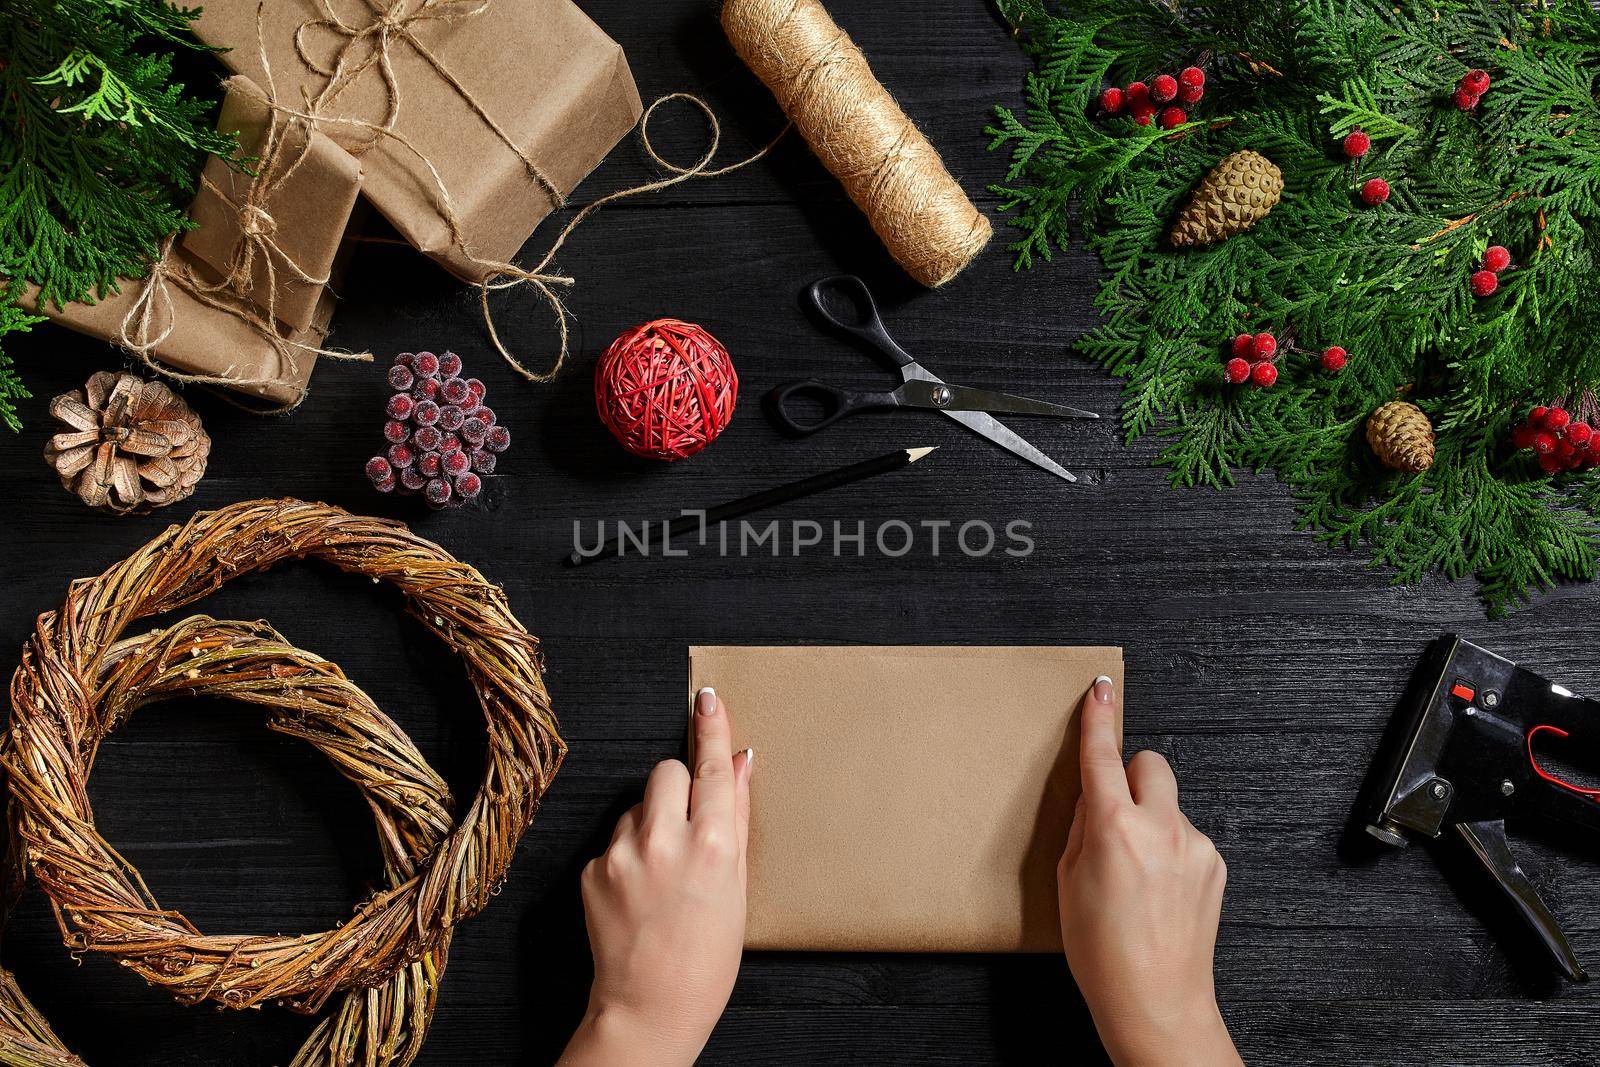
(865, 326)
(836, 403)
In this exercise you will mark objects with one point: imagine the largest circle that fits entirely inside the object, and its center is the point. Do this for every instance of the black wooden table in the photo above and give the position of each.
(1261, 661)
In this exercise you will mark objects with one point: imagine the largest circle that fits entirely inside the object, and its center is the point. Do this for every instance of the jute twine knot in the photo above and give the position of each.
(80, 679)
(255, 222)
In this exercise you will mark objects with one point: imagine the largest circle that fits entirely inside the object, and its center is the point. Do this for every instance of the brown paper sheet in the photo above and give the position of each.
(309, 210)
(204, 340)
(551, 79)
(906, 798)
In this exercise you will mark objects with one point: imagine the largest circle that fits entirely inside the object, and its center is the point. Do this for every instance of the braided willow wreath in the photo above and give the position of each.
(78, 681)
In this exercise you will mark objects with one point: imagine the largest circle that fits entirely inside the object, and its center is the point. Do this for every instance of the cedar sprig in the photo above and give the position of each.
(1289, 79)
(99, 147)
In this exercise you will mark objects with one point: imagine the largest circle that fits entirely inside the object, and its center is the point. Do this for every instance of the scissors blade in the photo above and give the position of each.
(922, 393)
(987, 425)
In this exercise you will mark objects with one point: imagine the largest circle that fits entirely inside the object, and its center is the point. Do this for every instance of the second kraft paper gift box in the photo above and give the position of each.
(906, 798)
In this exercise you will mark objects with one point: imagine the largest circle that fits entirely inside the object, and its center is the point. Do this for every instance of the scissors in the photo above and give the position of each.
(921, 388)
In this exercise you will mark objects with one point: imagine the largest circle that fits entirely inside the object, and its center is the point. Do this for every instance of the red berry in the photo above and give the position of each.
(1374, 191)
(450, 443)
(1483, 282)
(1550, 464)
(1263, 346)
(430, 465)
(1475, 81)
(468, 485)
(404, 359)
(455, 391)
(1263, 374)
(456, 462)
(379, 470)
(426, 365)
(1522, 436)
(498, 439)
(1236, 371)
(1241, 345)
(450, 418)
(1143, 113)
(486, 414)
(1538, 414)
(449, 365)
(400, 377)
(438, 492)
(395, 431)
(426, 389)
(1163, 88)
(412, 479)
(1111, 100)
(427, 438)
(1496, 258)
(401, 456)
(426, 413)
(1193, 77)
(400, 406)
(1579, 433)
(1333, 359)
(1190, 94)
(483, 461)
(1465, 100)
(1544, 442)
(477, 387)
(1137, 93)
(1357, 144)
(1172, 117)
(1556, 419)
(473, 429)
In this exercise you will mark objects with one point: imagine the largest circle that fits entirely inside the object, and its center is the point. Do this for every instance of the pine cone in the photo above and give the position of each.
(1237, 194)
(1401, 436)
(131, 445)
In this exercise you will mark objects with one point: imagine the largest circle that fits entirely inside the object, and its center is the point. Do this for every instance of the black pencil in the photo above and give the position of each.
(782, 494)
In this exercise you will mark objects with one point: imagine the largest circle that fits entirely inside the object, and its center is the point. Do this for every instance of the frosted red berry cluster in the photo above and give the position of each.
(442, 438)
(1252, 359)
(1486, 279)
(1169, 94)
(1561, 442)
(1470, 89)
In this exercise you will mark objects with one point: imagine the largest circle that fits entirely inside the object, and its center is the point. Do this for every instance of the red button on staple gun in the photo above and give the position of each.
(1463, 757)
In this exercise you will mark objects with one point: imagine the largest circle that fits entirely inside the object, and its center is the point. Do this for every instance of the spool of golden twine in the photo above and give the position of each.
(825, 87)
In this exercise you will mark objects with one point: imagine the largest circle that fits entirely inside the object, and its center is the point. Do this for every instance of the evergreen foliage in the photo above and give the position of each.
(1289, 78)
(99, 148)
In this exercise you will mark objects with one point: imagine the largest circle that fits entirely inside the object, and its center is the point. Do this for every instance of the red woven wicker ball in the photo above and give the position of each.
(665, 389)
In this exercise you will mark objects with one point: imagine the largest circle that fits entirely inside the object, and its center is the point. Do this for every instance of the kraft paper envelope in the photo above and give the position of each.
(906, 798)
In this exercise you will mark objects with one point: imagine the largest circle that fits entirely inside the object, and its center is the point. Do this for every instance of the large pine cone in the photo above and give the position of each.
(1237, 194)
(131, 445)
(1401, 437)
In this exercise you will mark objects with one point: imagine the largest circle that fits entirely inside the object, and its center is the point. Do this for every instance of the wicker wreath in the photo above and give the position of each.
(78, 681)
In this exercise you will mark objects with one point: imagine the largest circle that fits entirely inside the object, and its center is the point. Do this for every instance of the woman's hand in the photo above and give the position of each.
(665, 907)
(1141, 895)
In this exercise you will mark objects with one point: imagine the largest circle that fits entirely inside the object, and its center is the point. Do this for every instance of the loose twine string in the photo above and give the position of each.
(819, 76)
(80, 679)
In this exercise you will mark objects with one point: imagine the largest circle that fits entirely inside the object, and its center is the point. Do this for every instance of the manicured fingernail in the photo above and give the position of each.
(749, 760)
(705, 701)
(1102, 689)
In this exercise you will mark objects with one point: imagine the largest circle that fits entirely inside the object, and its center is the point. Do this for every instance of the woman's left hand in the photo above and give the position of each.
(665, 907)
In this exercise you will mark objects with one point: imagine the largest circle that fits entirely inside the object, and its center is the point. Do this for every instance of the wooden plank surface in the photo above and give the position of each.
(1261, 661)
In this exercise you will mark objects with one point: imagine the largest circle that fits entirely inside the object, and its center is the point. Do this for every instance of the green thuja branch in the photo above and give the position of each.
(99, 147)
(1289, 79)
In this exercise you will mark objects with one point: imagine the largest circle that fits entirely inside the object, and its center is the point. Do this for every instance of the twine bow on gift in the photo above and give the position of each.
(369, 45)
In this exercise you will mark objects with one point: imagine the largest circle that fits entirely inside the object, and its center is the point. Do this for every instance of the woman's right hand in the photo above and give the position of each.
(1141, 895)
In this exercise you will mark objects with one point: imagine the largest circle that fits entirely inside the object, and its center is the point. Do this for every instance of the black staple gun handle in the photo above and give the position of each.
(1469, 750)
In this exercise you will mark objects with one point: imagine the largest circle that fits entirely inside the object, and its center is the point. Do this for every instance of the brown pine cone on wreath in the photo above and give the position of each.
(1401, 437)
(1239, 192)
(130, 445)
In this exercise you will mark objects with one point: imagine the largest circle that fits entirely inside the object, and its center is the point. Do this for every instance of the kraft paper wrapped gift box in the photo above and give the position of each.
(906, 798)
(475, 88)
